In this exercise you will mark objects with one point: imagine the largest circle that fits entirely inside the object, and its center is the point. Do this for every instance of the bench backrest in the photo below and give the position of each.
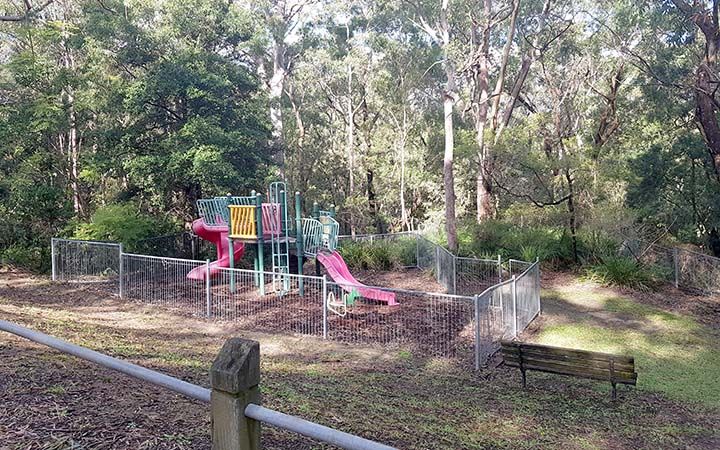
(564, 361)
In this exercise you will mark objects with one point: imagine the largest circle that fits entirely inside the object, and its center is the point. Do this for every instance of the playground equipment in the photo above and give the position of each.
(339, 272)
(218, 235)
(233, 222)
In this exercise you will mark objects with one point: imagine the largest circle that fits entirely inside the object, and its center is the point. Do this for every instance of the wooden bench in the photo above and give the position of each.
(579, 363)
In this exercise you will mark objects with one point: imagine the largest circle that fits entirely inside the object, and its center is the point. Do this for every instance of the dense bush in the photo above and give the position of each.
(622, 271)
(32, 257)
(492, 238)
(121, 223)
(379, 254)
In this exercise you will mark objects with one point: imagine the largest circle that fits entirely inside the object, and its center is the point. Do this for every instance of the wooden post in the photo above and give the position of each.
(235, 380)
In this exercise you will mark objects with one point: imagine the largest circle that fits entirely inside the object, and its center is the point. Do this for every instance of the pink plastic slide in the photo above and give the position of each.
(338, 271)
(219, 237)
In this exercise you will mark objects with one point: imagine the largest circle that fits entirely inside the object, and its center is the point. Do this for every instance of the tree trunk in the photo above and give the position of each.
(403, 141)
(372, 202)
(706, 113)
(449, 99)
(73, 140)
(527, 61)
(350, 137)
(706, 80)
(482, 98)
(572, 221)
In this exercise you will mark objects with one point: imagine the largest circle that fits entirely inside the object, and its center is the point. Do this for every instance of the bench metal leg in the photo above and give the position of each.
(614, 391)
(523, 378)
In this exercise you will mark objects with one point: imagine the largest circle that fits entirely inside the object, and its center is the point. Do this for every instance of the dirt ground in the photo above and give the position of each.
(55, 401)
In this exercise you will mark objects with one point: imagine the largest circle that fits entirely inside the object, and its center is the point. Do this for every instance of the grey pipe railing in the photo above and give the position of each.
(255, 412)
(181, 387)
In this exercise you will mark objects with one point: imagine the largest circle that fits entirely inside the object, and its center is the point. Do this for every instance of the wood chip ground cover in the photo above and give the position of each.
(53, 401)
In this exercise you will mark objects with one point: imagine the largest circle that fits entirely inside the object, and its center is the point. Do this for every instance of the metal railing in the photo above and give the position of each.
(250, 410)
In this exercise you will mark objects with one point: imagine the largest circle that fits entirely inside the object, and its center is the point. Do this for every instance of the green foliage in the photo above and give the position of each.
(596, 246)
(31, 257)
(622, 271)
(492, 238)
(120, 223)
(379, 254)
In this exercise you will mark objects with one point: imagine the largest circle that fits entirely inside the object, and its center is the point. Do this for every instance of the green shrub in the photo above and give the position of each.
(353, 253)
(622, 271)
(492, 238)
(378, 255)
(120, 223)
(33, 257)
(594, 246)
(403, 252)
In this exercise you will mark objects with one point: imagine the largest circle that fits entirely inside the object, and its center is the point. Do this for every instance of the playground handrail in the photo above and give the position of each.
(252, 411)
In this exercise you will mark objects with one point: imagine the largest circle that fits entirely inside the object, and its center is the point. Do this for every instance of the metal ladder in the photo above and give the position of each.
(279, 237)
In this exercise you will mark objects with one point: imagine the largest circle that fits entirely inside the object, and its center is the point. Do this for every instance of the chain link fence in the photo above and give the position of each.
(686, 269)
(429, 324)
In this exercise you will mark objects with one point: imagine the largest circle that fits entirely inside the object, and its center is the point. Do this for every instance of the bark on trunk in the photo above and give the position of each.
(449, 99)
(481, 80)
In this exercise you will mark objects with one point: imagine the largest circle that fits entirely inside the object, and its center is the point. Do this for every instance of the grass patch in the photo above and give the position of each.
(674, 354)
(395, 396)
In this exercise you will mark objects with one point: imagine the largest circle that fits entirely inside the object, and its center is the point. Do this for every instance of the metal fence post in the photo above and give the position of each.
(676, 264)
(208, 294)
(477, 332)
(499, 269)
(121, 270)
(235, 379)
(514, 300)
(417, 251)
(324, 309)
(454, 274)
(437, 264)
(52, 257)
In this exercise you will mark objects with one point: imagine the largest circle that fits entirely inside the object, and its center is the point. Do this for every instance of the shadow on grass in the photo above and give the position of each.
(674, 354)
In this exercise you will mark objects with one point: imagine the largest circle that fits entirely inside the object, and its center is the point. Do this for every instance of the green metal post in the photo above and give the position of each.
(316, 210)
(299, 240)
(283, 207)
(231, 248)
(260, 243)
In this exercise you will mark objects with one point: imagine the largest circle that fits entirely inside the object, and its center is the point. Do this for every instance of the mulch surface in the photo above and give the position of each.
(53, 401)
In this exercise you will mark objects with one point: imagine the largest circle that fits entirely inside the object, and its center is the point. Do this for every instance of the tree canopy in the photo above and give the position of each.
(403, 113)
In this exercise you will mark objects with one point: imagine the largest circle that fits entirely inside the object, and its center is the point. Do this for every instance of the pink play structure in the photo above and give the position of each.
(339, 272)
(218, 235)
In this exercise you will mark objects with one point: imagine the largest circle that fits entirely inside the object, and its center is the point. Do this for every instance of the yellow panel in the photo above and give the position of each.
(242, 222)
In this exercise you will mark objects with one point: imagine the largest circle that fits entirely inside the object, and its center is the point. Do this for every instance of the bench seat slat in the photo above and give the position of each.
(581, 373)
(513, 347)
(627, 377)
(569, 359)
